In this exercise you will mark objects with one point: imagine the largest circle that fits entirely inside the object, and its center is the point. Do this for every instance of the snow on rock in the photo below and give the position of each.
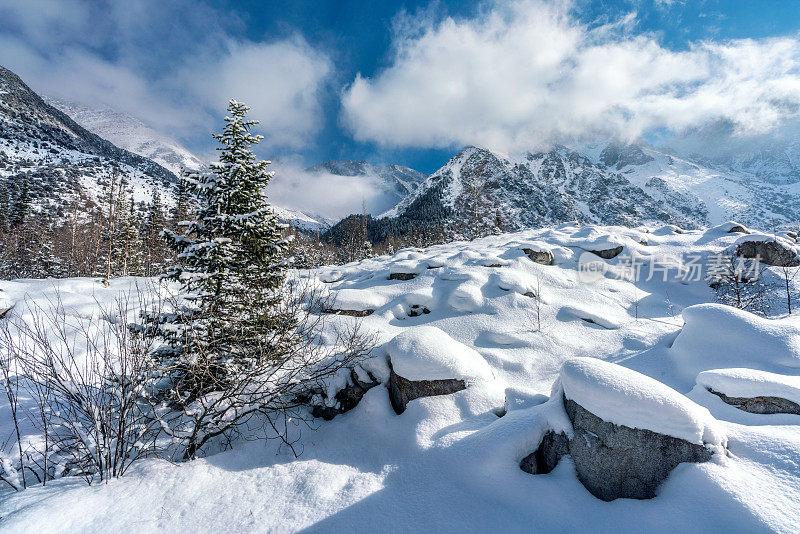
(427, 353)
(625, 397)
(716, 336)
(728, 227)
(770, 249)
(358, 300)
(604, 319)
(513, 280)
(740, 382)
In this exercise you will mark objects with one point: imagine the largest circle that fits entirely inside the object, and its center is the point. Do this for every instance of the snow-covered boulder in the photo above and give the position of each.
(356, 302)
(426, 362)
(629, 430)
(607, 253)
(728, 227)
(754, 391)
(593, 240)
(716, 336)
(772, 250)
(539, 253)
(405, 270)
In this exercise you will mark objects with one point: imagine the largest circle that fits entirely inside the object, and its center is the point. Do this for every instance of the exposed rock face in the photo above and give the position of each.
(761, 405)
(351, 313)
(614, 461)
(348, 398)
(738, 229)
(403, 391)
(401, 276)
(770, 252)
(544, 257)
(608, 253)
(4, 312)
(417, 310)
(545, 458)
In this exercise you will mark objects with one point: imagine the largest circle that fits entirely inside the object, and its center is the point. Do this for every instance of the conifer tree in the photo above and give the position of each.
(21, 205)
(127, 249)
(231, 268)
(4, 208)
(180, 212)
(155, 223)
(236, 340)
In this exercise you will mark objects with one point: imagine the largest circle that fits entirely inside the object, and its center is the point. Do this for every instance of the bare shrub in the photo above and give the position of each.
(87, 379)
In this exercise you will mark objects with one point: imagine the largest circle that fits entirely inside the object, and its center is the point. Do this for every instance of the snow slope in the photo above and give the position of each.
(131, 134)
(444, 465)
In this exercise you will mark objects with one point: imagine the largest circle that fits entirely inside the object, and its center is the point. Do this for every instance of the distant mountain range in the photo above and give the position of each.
(604, 184)
(66, 148)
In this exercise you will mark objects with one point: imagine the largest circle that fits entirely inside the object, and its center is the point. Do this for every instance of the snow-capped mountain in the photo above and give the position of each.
(394, 182)
(301, 220)
(131, 134)
(607, 184)
(58, 159)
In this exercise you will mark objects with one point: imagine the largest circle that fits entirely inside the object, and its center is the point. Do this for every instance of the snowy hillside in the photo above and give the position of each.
(606, 184)
(32, 130)
(61, 161)
(506, 319)
(131, 134)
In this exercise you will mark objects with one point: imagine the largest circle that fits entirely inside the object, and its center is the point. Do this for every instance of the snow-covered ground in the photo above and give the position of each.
(451, 463)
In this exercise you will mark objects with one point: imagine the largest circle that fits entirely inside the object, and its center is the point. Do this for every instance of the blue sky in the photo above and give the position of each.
(411, 82)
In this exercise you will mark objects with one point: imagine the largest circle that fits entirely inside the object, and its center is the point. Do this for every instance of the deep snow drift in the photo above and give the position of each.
(485, 312)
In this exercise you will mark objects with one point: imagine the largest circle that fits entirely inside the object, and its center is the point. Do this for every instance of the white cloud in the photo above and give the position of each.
(322, 193)
(280, 81)
(176, 78)
(525, 75)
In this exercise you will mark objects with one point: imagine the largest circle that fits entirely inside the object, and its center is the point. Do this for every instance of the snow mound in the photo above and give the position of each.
(427, 353)
(625, 397)
(726, 228)
(749, 383)
(358, 300)
(716, 336)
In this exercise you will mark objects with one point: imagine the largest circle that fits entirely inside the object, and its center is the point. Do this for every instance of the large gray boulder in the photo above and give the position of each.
(770, 252)
(614, 461)
(403, 391)
(628, 430)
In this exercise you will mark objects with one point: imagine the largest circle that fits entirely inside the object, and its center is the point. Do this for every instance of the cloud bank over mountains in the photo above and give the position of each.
(513, 76)
(528, 74)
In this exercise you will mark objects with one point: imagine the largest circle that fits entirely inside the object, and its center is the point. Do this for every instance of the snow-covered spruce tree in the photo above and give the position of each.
(5, 207)
(155, 222)
(181, 209)
(238, 344)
